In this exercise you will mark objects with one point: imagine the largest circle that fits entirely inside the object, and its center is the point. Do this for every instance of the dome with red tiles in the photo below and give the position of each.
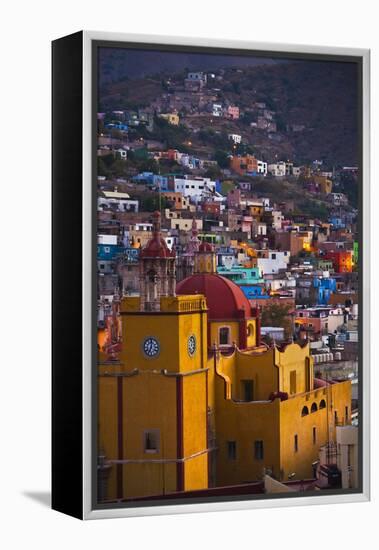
(225, 300)
(157, 246)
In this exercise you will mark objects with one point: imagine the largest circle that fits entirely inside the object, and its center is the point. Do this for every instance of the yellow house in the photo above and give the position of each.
(325, 184)
(172, 118)
(195, 400)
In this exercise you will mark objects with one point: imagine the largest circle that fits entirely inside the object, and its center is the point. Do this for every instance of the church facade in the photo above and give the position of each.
(195, 399)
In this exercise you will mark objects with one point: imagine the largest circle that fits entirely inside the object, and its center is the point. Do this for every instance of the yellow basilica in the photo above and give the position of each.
(195, 400)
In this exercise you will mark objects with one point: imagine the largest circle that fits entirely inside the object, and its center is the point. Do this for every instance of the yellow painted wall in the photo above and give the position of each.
(252, 338)
(258, 367)
(337, 397)
(291, 423)
(245, 423)
(294, 358)
(195, 430)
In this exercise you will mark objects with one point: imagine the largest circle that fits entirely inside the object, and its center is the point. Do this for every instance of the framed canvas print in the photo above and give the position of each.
(210, 275)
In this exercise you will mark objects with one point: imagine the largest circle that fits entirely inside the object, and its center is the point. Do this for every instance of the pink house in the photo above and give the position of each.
(233, 112)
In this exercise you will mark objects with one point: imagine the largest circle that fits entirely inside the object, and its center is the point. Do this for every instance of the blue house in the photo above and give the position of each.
(324, 286)
(108, 251)
(253, 291)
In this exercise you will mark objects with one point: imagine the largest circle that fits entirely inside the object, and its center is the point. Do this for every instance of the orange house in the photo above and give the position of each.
(244, 164)
(342, 260)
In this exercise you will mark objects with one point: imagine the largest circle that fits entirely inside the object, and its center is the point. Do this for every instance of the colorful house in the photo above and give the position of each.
(243, 165)
(342, 260)
(324, 286)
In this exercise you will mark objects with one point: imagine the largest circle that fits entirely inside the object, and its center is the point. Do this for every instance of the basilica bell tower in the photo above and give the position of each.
(157, 269)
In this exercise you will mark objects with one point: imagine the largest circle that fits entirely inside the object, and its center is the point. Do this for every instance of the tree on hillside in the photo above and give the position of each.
(222, 158)
(277, 315)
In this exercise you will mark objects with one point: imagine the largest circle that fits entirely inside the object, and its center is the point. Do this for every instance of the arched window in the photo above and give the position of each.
(224, 336)
(250, 329)
(313, 408)
(304, 411)
(322, 404)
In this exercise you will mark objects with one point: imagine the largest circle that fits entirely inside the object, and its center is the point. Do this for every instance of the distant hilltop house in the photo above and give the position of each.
(325, 185)
(195, 81)
(277, 169)
(171, 118)
(217, 109)
(196, 188)
(236, 138)
(248, 165)
(338, 199)
(233, 112)
(283, 168)
(117, 201)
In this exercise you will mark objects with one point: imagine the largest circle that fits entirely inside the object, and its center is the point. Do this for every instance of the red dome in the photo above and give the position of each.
(225, 300)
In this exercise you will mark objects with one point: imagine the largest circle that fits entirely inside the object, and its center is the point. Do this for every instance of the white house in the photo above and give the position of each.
(277, 169)
(217, 109)
(117, 201)
(262, 167)
(195, 188)
(275, 261)
(236, 138)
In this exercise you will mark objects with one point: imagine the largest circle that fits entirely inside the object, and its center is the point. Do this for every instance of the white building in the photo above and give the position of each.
(236, 138)
(116, 201)
(217, 109)
(121, 153)
(277, 169)
(195, 188)
(347, 455)
(107, 239)
(276, 260)
(262, 167)
(275, 333)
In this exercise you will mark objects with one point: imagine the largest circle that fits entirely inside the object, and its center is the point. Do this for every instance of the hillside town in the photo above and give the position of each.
(227, 298)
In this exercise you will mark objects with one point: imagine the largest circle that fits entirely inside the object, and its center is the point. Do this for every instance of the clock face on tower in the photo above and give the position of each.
(191, 345)
(151, 347)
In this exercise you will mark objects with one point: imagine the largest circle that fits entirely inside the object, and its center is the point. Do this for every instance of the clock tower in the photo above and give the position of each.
(157, 396)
